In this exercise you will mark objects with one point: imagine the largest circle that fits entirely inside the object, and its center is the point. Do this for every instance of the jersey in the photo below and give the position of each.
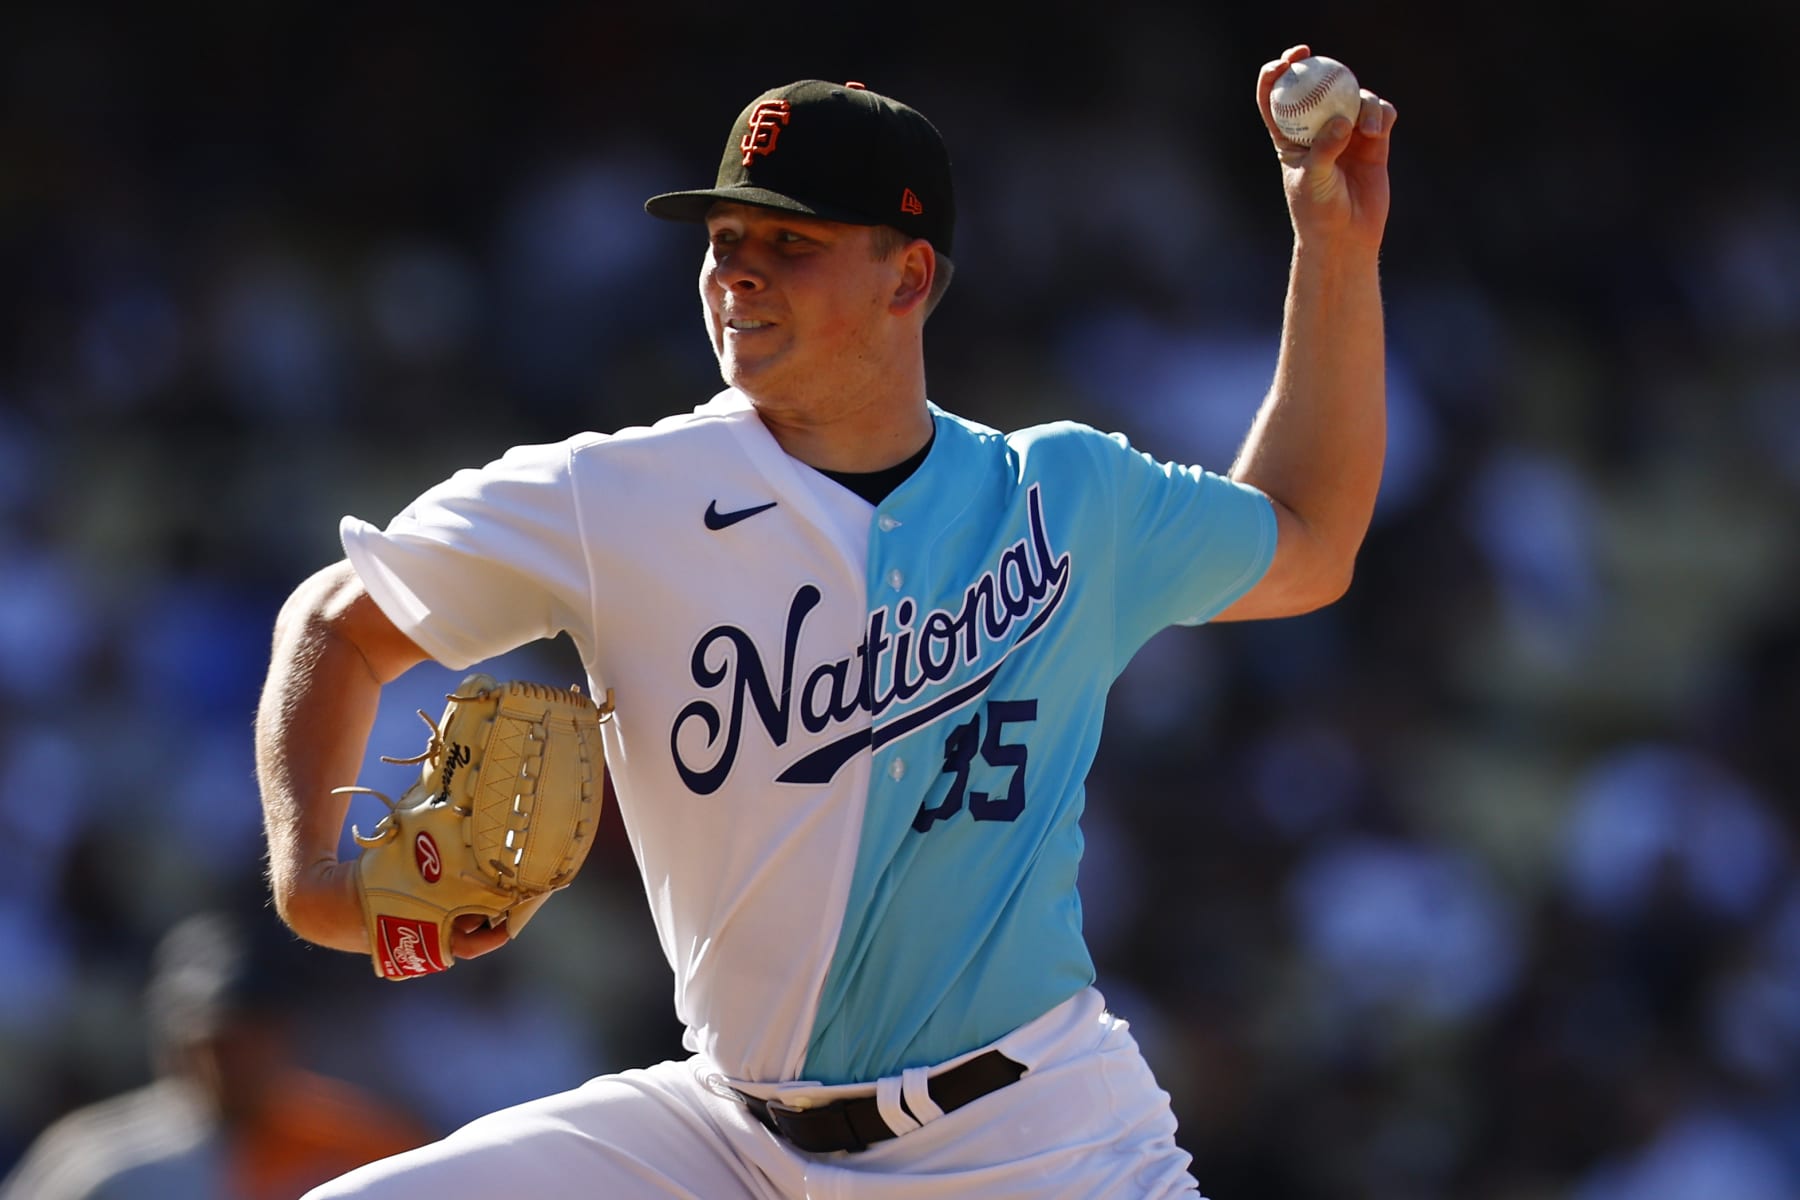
(850, 740)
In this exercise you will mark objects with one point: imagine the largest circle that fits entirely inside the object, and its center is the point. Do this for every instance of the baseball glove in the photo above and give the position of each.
(503, 814)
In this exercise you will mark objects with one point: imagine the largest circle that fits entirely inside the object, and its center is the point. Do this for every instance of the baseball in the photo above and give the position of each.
(1311, 92)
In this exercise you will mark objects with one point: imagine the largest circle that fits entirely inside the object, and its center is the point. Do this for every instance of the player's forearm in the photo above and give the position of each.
(1318, 441)
(318, 707)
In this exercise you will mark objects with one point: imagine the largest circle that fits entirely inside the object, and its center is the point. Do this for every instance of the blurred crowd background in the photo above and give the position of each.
(1480, 884)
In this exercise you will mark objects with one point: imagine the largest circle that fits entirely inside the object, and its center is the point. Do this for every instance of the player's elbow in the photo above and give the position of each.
(1332, 567)
(292, 905)
(1327, 587)
(1314, 563)
(1310, 591)
(320, 904)
(1289, 591)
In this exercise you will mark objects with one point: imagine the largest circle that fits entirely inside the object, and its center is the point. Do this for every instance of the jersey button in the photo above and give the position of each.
(895, 579)
(896, 769)
(887, 523)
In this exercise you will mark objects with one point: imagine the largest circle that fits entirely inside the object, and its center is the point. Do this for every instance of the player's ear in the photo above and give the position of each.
(918, 268)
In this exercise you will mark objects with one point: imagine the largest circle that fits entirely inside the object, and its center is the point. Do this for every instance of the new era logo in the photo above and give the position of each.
(909, 202)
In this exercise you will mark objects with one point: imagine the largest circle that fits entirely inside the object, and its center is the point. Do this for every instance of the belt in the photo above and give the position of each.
(858, 1124)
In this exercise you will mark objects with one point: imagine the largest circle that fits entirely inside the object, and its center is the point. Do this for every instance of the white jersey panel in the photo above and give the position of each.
(716, 569)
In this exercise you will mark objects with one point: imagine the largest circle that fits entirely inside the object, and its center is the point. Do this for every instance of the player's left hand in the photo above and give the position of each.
(1338, 186)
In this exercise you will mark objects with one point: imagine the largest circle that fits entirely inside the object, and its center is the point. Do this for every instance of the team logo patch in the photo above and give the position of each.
(766, 123)
(425, 853)
(408, 947)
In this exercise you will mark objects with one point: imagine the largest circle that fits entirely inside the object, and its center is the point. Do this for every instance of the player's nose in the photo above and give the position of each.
(738, 271)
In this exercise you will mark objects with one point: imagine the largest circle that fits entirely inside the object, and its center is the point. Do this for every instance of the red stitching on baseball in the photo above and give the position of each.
(1318, 93)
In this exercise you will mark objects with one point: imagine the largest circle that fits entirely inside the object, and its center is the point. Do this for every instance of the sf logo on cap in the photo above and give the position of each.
(766, 120)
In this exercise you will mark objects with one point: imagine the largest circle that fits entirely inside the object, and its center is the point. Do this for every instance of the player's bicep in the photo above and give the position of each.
(1302, 575)
(337, 599)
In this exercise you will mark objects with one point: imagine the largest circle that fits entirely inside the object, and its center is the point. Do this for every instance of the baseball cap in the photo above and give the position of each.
(832, 150)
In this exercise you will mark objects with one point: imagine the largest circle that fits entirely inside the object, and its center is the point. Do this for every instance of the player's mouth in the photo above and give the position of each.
(743, 325)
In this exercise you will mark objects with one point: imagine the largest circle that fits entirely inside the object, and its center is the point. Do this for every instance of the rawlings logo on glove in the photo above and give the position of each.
(502, 815)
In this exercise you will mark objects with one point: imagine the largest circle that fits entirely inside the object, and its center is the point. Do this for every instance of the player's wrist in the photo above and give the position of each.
(1332, 268)
(1339, 249)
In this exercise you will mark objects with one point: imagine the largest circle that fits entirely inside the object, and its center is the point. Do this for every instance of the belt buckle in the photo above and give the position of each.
(777, 1108)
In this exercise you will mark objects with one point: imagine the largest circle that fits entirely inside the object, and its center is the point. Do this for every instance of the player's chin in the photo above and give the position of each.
(747, 373)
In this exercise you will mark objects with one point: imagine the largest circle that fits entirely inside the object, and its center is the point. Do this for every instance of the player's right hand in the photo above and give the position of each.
(471, 936)
(1337, 188)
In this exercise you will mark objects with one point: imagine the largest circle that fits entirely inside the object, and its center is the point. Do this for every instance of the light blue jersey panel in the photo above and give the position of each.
(1011, 578)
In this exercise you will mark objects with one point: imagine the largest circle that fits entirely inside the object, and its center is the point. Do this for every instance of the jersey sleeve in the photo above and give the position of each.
(484, 562)
(1187, 543)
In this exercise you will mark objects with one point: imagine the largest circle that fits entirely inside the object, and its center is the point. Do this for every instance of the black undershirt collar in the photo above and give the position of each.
(876, 486)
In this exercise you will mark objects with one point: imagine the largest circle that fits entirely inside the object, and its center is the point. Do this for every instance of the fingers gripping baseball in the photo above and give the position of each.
(1332, 138)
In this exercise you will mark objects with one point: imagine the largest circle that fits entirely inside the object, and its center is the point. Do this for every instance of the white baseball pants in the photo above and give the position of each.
(1087, 1120)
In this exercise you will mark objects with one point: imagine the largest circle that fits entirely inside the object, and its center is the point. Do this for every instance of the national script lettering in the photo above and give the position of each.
(902, 654)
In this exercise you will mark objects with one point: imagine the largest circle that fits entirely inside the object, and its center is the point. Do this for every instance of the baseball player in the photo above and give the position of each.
(859, 649)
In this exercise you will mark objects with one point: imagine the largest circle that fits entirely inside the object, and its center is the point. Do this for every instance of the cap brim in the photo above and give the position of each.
(693, 206)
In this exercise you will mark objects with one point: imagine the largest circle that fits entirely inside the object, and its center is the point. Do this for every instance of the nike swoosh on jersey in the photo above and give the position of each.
(718, 520)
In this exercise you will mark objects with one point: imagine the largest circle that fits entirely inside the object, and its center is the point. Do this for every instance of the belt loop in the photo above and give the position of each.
(890, 1106)
(915, 1086)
